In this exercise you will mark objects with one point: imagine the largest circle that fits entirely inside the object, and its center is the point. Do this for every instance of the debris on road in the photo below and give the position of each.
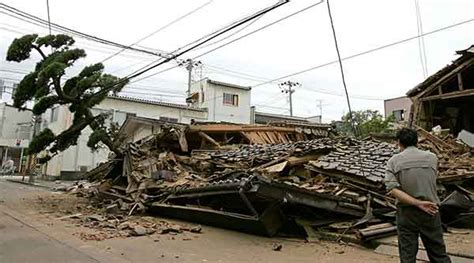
(328, 186)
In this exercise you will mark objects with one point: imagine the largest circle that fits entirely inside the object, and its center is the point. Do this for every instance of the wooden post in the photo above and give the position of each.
(460, 84)
(21, 160)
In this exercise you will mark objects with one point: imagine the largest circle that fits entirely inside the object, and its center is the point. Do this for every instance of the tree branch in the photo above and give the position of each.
(107, 141)
(39, 51)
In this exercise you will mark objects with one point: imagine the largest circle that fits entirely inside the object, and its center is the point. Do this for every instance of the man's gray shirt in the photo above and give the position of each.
(413, 171)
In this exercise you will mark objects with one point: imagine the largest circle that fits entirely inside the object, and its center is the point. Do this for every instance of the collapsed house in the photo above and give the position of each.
(446, 97)
(270, 180)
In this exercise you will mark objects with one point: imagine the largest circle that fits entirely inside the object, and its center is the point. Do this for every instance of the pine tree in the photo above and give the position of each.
(80, 93)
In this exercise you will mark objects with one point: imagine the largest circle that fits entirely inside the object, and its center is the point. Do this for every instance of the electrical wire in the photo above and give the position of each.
(79, 43)
(421, 40)
(234, 73)
(29, 18)
(259, 29)
(249, 18)
(341, 70)
(365, 52)
(351, 117)
(230, 35)
(158, 30)
(243, 36)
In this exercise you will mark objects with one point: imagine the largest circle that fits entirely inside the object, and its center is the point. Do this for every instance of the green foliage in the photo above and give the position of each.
(365, 122)
(96, 137)
(55, 41)
(20, 48)
(45, 103)
(41, 141)
(80, 92)
(25, 90)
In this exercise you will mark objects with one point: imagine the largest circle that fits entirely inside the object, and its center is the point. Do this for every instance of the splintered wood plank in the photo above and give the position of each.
(209, 139)
(273, 137)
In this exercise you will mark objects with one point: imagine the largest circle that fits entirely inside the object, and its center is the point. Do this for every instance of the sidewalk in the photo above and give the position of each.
(50, 185)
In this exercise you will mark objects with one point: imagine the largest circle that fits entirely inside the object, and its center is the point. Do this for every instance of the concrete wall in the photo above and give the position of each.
(396, 104)
(10, 121)
(15, 133)
(152, 111)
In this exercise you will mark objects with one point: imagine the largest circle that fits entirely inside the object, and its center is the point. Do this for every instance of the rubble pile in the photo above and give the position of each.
(455, 158)
(105, 219)
(328, 187)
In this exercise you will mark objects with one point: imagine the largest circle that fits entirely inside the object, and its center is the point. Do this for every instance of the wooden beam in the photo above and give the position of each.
(451, 95)
(460, 84)
(236, 128)
(209, 139)
(295, 161)
(446, 77)
(440, 90)
(248, 138)
(432, 138)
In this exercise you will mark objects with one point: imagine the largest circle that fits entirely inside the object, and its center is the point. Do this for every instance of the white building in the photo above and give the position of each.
(79, 159)
(223, 101)
(15, 132)
(399, 107)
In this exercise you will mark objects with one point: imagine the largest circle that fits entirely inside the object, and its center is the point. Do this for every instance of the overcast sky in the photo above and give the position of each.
(300, 42)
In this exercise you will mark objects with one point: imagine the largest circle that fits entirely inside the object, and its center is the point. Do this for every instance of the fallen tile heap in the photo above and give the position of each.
(328, 187)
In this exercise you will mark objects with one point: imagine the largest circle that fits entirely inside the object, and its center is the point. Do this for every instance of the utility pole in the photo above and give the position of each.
(189, 64)
(49, 19)
(36, 119)
(287, 87)
(320, 106)
(26, 171)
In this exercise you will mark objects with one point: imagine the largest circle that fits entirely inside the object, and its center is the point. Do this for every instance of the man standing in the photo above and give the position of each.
(411, 179)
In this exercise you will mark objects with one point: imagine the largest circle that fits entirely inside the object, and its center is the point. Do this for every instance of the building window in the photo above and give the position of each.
(168, 119)
(399, 115)
(54, 114)
(231, 99)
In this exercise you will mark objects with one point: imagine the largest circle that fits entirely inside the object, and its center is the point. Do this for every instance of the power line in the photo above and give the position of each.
(49, 18)
(243, 36)
(220, 32)
(344, 81)
(89, 46)
(230, 35)
(421, 40)
(234, 73)
(259, 29)
(341, 68)
(159, 30)
(365, 52)
(14, 71)
(29, 18)
(154, 74)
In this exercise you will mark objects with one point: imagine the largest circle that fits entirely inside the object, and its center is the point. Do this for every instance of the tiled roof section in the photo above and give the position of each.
(154, 102)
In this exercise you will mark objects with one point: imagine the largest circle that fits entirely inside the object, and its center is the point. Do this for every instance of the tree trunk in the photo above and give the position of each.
(107, 141)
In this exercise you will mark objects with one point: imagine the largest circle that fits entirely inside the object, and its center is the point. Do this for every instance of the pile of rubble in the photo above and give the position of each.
(102, 219)
(456, 161)
(328, 187)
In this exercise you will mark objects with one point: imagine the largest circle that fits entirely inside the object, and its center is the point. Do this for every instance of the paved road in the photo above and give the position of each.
(22, 242)
(27, 235)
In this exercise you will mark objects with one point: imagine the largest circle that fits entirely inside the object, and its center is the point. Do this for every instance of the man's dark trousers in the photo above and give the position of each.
(413, 222)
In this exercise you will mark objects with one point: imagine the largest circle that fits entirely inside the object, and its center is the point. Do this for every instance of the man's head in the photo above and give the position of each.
(407, 137)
